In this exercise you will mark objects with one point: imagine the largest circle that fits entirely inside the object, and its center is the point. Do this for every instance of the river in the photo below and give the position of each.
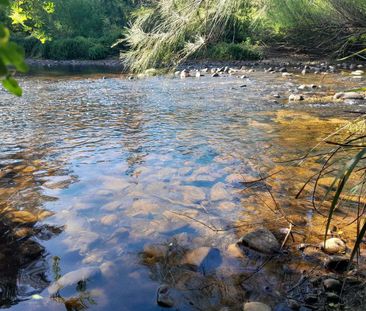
(118, 180)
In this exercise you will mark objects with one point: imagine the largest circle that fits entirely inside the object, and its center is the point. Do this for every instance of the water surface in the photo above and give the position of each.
(114, 171)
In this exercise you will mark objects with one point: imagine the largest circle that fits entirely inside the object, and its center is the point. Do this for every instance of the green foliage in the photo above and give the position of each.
(98, 51)
(11, 55)
(231, 51)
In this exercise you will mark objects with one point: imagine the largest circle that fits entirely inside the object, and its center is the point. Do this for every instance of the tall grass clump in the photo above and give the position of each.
(320, 26)
(171, 31)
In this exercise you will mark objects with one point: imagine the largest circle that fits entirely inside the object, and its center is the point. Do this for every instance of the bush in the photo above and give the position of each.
(98, 51)
(231, 51)
(75, 48)
(32, 46)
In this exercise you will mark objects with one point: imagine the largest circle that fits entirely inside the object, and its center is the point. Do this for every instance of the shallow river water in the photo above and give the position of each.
(123, 185)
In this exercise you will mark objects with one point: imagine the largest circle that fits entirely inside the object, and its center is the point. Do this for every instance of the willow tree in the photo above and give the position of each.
(172, 30)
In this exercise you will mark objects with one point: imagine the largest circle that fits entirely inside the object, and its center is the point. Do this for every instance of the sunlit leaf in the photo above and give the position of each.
(13, 54)
(12, 86)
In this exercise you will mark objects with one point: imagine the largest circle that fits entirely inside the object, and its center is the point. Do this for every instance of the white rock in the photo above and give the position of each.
(333, 246)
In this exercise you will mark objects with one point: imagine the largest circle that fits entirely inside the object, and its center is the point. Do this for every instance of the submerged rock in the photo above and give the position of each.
(256, 306)
(332, 285)
(109, 220)
(261, 240)
(215, 74)
(333, 246)
(337, 263)
(163, 297)
(218, 192)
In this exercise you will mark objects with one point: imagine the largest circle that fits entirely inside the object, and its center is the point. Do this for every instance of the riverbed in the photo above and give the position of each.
(124, 184)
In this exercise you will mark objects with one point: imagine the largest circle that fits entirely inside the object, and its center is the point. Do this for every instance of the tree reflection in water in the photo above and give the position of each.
(23, 265)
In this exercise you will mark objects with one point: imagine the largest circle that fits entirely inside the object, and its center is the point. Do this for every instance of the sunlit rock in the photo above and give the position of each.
(72, 278)
(333, 246)
(235, 251)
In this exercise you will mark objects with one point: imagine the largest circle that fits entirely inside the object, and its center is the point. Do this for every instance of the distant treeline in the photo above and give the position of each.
(165, 32)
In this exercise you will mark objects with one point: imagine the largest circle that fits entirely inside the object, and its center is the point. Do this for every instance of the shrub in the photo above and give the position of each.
(98, 51)
(231, 51)
(75, 48)
(31, 45)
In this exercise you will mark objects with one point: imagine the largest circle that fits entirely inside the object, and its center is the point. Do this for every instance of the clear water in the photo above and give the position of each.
(112, 167)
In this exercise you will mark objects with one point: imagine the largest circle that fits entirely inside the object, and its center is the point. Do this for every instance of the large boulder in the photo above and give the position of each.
(261, 240)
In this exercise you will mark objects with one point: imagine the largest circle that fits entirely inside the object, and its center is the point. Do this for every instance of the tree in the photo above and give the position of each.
(11, 56)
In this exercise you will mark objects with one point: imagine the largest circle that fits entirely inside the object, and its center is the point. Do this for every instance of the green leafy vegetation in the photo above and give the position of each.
(11, 57)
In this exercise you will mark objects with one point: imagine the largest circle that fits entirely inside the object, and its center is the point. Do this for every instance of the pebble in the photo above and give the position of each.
(296, 97)
(256, 306)
(287, 74)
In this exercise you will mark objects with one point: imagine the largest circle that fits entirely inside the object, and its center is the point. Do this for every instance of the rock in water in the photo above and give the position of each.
(296, 97)
(333, 246)
(261, 240)
(72, 278)
(184, 73)
(337, 263)
(348, 95)
(255, 306)
(163, 297)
